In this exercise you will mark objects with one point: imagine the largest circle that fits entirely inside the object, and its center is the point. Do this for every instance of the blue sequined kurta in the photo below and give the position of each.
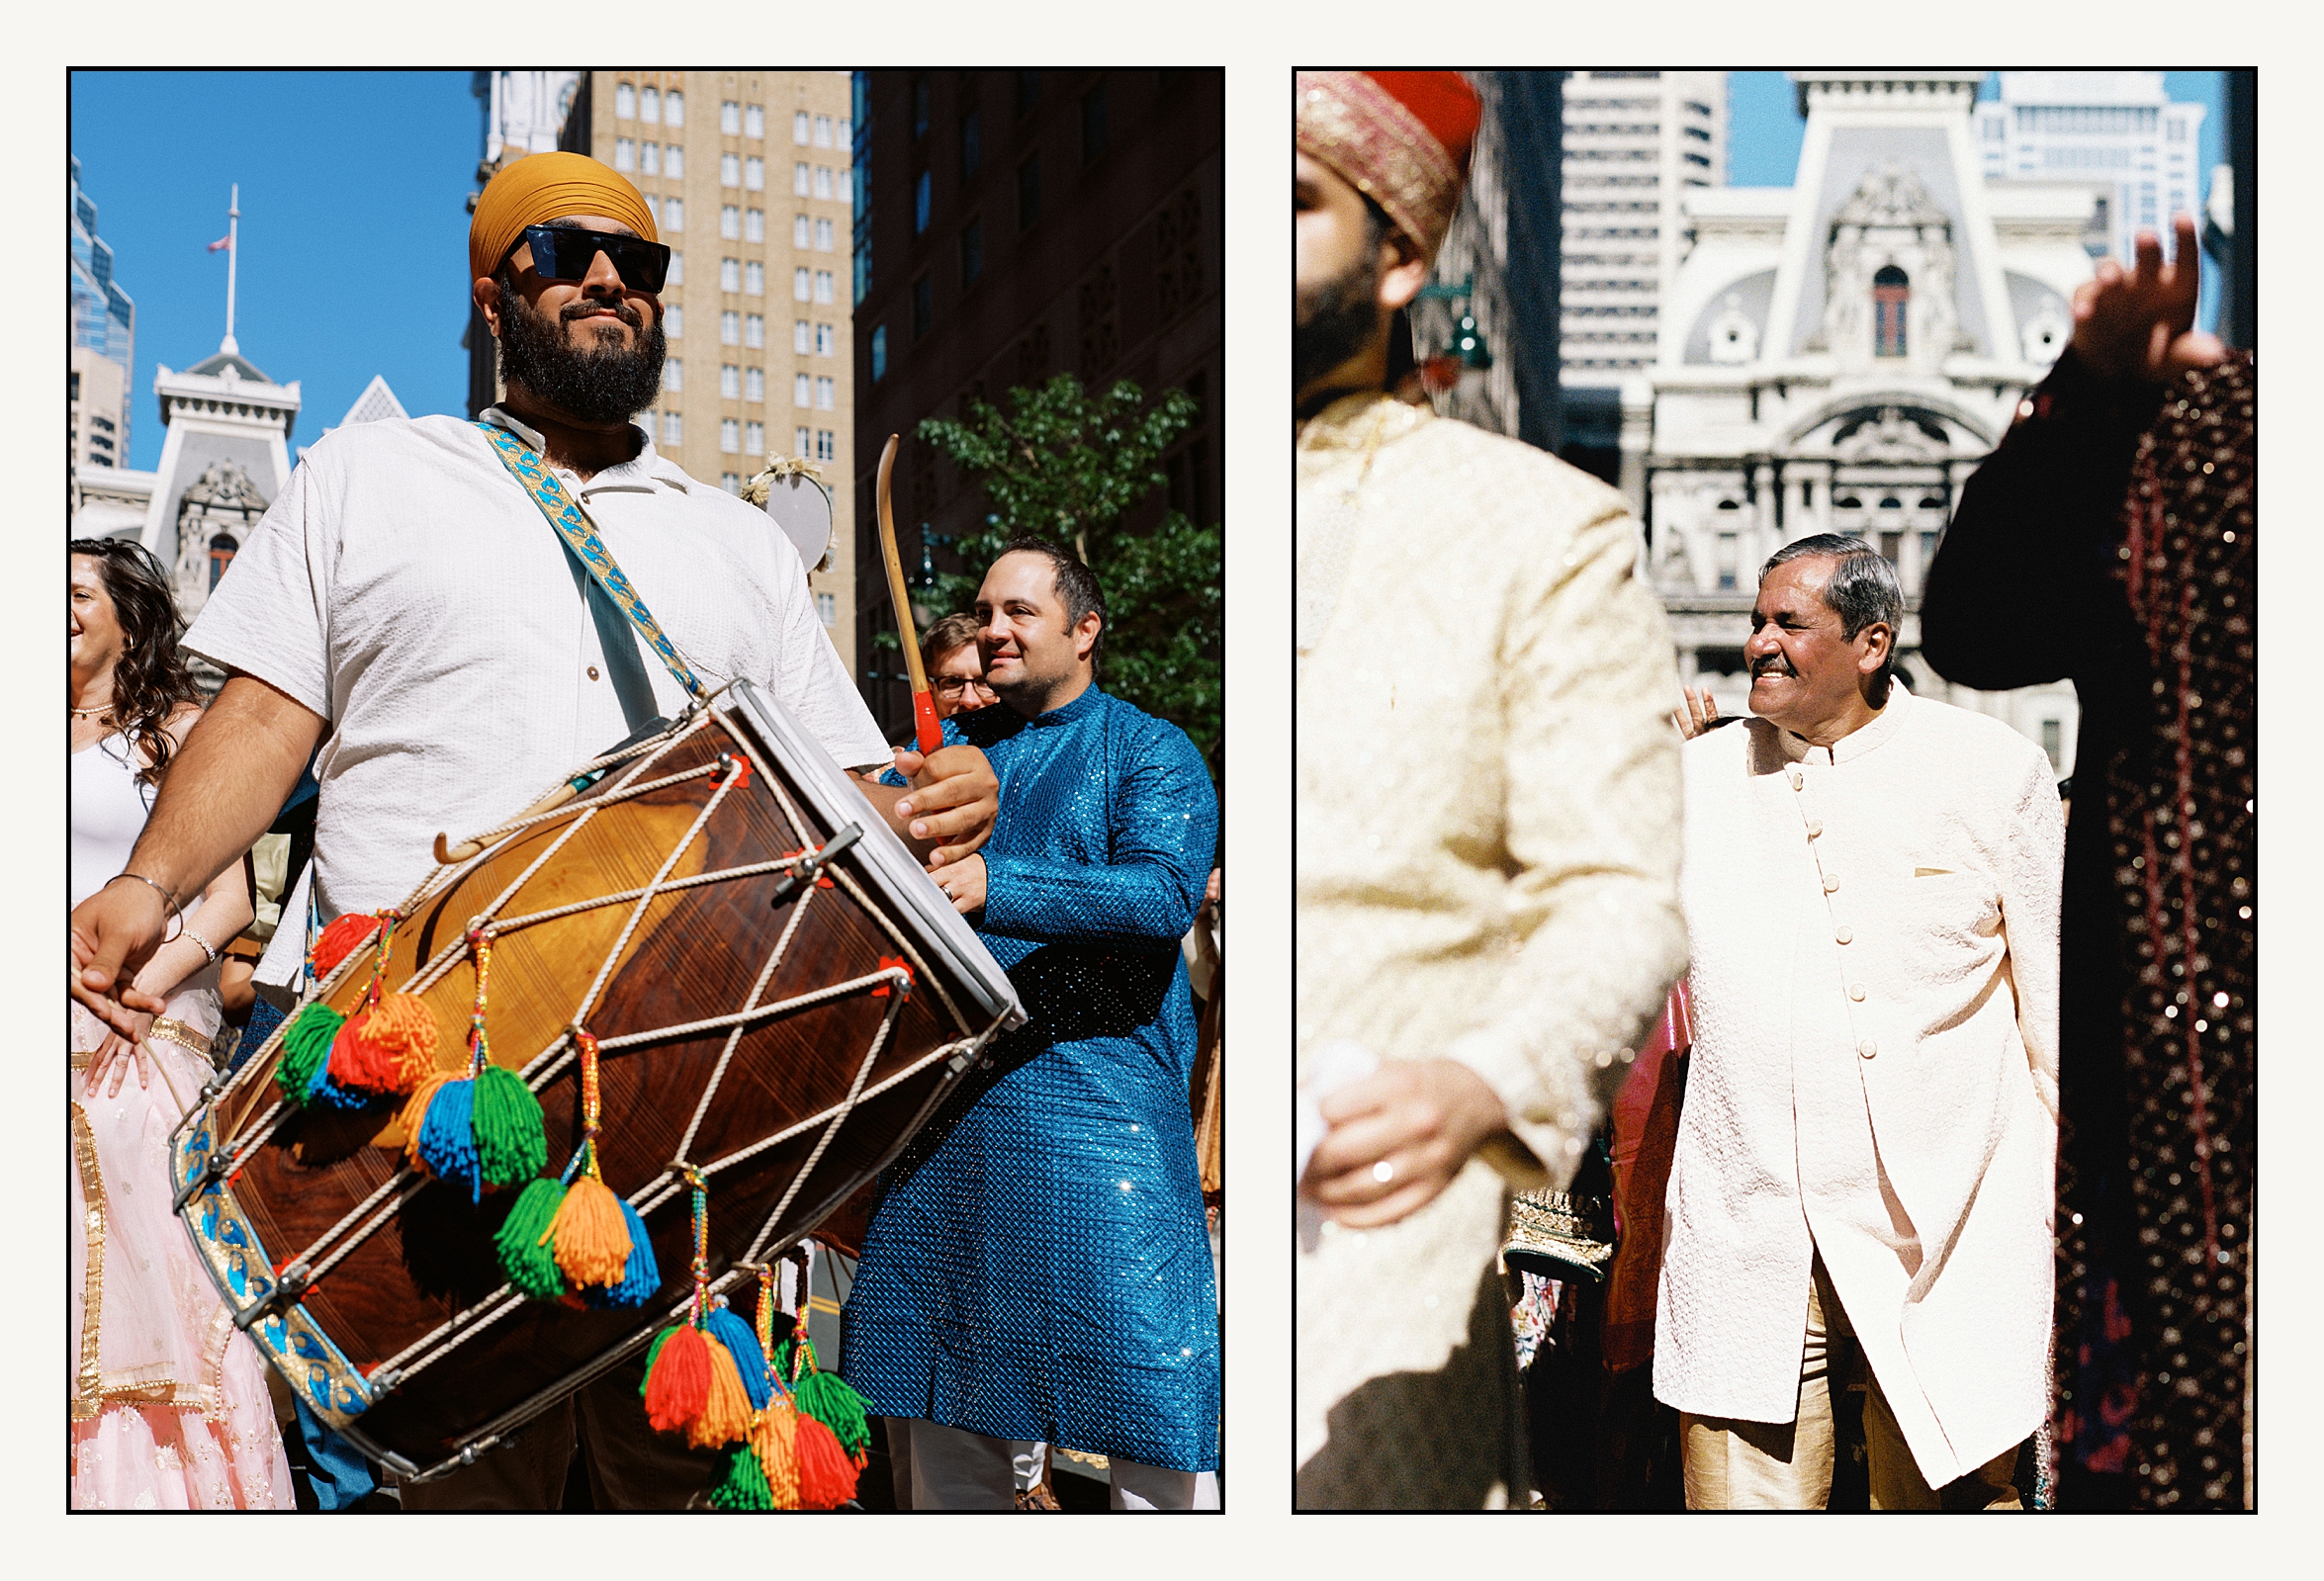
(1039, 1265)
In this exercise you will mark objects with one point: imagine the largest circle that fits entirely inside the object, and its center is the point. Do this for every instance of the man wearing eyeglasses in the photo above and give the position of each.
(955, 671)
(405, 605)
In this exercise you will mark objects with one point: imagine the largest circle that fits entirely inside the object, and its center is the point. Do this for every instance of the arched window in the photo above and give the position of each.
(222, 554)
(1890, 289)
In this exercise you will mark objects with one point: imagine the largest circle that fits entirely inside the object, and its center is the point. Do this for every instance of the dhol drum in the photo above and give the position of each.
(777, 998)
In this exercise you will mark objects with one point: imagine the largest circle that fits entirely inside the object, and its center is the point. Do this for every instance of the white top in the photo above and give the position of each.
(1873, 930)
(109, 809)
(406, 587)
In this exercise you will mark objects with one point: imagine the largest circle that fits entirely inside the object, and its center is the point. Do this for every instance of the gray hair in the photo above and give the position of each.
(1863, 588)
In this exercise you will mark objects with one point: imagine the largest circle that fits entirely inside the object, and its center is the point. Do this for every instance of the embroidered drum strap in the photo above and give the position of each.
(579, 534)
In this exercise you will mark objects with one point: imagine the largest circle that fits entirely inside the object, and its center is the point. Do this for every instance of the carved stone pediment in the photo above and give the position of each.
(223, 486)
(1889, 435)
(1890, 196)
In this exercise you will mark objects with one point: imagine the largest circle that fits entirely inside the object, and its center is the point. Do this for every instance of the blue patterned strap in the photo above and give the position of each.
(580, 536)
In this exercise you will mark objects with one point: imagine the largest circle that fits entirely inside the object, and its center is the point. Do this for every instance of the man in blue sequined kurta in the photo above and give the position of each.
(1039, 1267)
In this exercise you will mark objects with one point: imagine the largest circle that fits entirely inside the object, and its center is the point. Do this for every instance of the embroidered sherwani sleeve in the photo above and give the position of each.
(1591, 829)
(2032, 880)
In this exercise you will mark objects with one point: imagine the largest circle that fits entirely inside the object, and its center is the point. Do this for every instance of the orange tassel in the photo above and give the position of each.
(387, 1048)
(726, 1408)
(590, 1234)
(827, 1477)
(774, 1438)
(678, 1386)
(340, 939)
(415, 1109)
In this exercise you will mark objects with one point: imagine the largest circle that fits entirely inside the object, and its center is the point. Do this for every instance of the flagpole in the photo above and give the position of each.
(234, 227)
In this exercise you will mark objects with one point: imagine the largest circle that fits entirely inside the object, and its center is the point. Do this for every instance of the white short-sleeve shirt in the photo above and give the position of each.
(406, 587)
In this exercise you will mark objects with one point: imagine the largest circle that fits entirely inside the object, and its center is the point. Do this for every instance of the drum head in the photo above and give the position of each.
(801, 507)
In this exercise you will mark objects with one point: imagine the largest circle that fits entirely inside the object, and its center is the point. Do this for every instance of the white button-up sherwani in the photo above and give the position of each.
(1874, 937)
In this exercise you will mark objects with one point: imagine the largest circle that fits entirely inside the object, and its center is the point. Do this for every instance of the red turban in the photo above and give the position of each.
(1400, 138)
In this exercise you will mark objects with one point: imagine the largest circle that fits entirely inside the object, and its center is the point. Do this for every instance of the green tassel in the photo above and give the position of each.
(306, 1045)
(827, 1397)
(510, 1144)
(530, 1266)
(742, 1483)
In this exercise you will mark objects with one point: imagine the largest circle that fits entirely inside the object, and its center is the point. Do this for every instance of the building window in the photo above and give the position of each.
(801, 439)
(625, 154)
(729, 274)
(802, 340)
(674, 326)
(754, 330)
(1094, 129)
(654, 208)
(730, 169)
(880, 353)
(754, 173)
(919, 108)
(650, 158)
(730, 221)
(971, 252)
(845, 136)
(674, 374)
(827, 608)
(754, 120)
(826, 447)
(2053, 740)
(222, 554)
(730, 117)
(754, 225)
(801, 288)
(1890, 291)
(971, 146)
(677, 269)
(649, 106)
(753, 279)
(802, 232)
(823, 286)
(673, 162)
(824, 338)
(823, 391)
(753, 439)
(674, 215)
(822, 132)
(822, 187)
(675, 109)
(673, 429)
(799, 128)
(1029, 90)
(730, 435)
(919, 203)
(730, 381)
(730, 481)
(1729, 560)
(823, 236)
(799, 184)
(754, 384)
(730, 328)
(1028, 192)
(625, 102)
(802, 390)
(924, 307)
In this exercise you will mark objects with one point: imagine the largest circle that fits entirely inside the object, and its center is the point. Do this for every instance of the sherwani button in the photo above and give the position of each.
(1855, 991)
(1845, 935)
(1831, 882)
(1867, 1048)
(1814, 828)
(1796, 781)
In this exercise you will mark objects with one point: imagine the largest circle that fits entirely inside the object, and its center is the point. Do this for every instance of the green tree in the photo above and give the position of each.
(1066, 465)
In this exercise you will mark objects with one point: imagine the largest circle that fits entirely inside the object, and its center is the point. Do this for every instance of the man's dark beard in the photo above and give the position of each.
(599, 385)
(1334, 321)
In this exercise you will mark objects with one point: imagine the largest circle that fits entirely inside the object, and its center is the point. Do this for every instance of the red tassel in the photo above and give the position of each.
(679, 1386)
(342, 938)
(827, 1477)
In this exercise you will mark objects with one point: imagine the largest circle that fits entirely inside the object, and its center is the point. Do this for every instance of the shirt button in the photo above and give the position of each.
(1831, 882)
(1855, 991)
(1867, 1048)
(593, 672)
(1797, 779)
(1845, 935)
(1814, 828)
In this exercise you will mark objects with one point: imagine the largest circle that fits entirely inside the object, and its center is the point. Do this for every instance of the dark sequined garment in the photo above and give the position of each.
(2111, 539)
(1039, 1265)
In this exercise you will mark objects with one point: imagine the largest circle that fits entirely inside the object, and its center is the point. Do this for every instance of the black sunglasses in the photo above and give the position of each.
(563, 254)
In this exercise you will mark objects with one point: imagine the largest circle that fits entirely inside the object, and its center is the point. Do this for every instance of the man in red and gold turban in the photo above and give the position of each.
(1488, 848)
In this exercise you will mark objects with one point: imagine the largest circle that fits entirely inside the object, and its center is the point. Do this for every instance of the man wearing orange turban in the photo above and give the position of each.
(405, 607)
(1487, 834)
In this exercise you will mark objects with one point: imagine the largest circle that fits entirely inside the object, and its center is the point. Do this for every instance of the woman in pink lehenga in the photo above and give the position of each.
(169, 1402)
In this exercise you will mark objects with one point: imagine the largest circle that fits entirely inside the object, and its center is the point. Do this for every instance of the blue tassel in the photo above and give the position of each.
(640, 1280)
(323, 1090)
(729, 1328)
(447, 1137)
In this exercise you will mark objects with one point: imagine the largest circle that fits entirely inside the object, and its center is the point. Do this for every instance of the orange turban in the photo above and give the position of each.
(549, 185)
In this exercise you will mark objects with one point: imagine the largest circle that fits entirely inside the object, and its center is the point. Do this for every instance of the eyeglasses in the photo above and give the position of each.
(954, 686)
(563, 254)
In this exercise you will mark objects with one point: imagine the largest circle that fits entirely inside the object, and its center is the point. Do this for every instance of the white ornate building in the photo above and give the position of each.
(1838, 357)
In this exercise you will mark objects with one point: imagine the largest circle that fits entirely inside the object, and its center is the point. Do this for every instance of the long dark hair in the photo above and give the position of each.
(151, 681)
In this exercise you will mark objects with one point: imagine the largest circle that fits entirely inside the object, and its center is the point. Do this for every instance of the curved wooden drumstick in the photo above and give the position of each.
(927, 731)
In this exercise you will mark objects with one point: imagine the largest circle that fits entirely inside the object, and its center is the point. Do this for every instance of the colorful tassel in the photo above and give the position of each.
(773, 1440)
(306, 1045)
(726, 1408)
(342, 938)
(827, 1397)
(827, 1477)
(730, 1330)
(529, 1264)
(445, 1145)
(741, 1485)
(678, 1379)
(641, 1279)
(386, 1049)
(510, 1144)
(591, 1234)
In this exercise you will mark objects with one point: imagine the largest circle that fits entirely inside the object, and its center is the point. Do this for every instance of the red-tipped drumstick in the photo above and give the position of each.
(925, 728)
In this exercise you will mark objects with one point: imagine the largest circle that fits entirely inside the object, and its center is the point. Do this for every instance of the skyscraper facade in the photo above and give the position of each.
(104, 333)
(2117, 129)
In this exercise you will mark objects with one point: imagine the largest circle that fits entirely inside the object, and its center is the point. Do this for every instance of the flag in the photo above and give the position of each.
(222, 241)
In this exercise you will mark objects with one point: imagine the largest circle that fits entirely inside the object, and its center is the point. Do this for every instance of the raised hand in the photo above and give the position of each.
(1695, 712)
(2140, 323)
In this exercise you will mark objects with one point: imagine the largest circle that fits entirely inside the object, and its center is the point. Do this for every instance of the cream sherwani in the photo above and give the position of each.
(1874, 943)
(1488, 843)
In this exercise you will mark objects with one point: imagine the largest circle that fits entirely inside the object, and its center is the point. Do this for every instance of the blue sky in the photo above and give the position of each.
(354, 229)
(1764, 131)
